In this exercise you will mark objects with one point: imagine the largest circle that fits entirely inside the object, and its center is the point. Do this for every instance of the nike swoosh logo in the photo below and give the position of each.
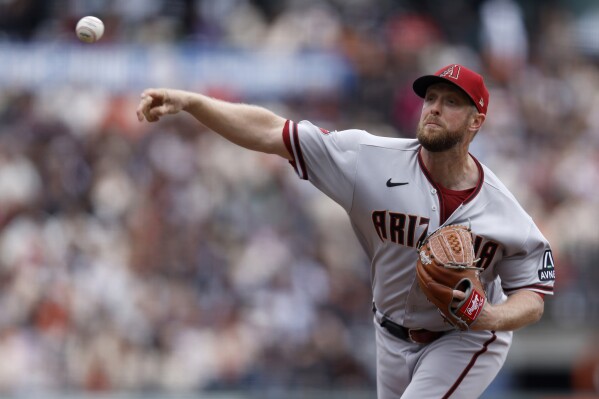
(391, 184)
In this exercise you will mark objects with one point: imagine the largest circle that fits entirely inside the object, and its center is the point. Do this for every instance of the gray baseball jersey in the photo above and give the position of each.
(393, 203)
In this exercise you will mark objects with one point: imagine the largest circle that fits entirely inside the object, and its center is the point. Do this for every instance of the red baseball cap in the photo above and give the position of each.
(467, 80)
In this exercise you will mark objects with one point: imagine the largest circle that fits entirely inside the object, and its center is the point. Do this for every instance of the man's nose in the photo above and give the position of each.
(435, 107)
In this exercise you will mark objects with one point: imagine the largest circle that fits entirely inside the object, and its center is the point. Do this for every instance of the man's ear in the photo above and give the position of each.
(477, 121)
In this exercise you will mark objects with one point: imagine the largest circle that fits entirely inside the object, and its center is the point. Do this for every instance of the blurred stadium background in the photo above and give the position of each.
(158, 261)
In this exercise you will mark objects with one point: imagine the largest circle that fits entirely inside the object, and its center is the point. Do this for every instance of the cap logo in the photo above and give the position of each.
(451, 72)
(481, 102)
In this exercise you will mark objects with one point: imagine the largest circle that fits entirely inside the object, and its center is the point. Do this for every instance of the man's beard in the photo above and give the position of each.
(439, 141)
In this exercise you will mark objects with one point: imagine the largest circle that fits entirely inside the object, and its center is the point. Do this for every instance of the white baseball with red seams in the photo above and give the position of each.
(89, 29)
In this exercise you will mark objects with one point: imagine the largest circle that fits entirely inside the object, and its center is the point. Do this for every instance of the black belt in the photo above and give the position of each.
(414, 335)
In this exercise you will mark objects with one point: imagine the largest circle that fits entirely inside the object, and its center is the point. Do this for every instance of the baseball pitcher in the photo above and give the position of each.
(456, 263)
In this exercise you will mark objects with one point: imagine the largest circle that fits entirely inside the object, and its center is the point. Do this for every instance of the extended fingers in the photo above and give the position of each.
(144, 105)
(144, 109)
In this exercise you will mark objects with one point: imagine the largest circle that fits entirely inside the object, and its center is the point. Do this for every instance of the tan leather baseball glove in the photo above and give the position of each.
(446, 263)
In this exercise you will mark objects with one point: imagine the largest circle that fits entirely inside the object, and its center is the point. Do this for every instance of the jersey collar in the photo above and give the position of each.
(479, 184)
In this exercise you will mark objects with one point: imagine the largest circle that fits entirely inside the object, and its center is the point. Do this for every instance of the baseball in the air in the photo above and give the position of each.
(89, 29)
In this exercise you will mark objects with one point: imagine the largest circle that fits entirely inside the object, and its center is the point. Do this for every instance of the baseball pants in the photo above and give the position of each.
(460, 364)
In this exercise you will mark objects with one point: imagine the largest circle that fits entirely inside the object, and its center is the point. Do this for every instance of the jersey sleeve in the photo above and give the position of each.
(532, 268)
(326, 158)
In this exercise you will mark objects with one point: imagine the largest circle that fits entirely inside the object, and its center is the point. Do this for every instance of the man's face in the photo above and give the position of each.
(446, 116)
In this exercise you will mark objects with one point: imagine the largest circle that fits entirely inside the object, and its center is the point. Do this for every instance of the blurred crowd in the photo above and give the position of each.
(160, 257)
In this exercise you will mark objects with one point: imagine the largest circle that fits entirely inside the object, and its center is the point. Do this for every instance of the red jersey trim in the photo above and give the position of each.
(481, 179)
(300, 156)
(477, 188)
(538, 288)
(287, 141)
(292, 143)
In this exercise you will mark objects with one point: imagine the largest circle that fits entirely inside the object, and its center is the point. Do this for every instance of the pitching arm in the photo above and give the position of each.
(519, 310)
(249, 126)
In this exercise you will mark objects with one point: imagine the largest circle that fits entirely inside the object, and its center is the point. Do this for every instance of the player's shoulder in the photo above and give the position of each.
(501, 204)
(494, 183)
(362, 137)
(393, 143)
(500, 193)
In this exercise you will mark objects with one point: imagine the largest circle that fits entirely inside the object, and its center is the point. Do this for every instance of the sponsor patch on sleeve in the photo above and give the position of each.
(547, 272)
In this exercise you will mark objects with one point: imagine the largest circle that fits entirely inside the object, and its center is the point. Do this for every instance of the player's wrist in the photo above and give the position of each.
(486, 320)
(186, 100)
